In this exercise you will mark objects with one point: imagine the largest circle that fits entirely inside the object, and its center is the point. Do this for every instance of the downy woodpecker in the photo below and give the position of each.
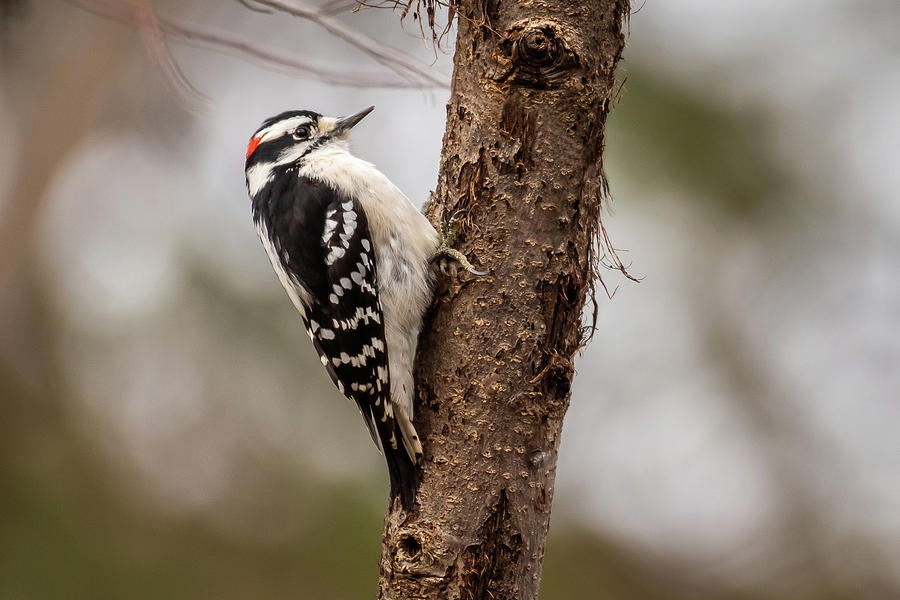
(354, 255)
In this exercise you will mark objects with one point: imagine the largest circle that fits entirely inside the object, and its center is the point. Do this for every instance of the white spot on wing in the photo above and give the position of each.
(334, 254)
(329, 230)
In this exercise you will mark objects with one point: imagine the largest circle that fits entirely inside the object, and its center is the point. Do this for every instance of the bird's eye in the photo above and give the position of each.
(301, 133)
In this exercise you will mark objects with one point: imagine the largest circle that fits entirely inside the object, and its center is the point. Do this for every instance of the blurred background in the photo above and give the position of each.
(166, 430)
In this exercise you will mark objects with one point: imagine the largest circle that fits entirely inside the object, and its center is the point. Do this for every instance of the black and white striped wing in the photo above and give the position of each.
(320, 240)
(347, 324)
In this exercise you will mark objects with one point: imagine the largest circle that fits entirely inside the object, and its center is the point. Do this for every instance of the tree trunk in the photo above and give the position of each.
(522, 162)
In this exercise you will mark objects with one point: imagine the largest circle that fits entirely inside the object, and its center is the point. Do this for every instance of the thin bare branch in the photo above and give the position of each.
(398, 61)
(250, 5)
(422, 11)
(334, 7)
(269, 58)
(182, 89)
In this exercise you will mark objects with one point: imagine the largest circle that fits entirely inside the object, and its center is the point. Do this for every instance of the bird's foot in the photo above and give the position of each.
(446, 253)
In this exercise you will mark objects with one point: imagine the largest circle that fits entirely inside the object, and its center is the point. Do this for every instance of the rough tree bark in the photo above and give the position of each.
(522, 161)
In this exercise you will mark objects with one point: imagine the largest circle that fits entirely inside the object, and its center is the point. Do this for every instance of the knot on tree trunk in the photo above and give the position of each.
(538, 48)
(538, 53)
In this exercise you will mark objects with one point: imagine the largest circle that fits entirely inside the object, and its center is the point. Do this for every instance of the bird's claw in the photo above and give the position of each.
(447, 253)
(444, 254)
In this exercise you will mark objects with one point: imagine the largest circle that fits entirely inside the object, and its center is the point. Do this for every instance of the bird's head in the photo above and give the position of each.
(286, 139)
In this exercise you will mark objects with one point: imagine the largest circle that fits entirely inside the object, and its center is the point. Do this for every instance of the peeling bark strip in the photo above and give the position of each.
(521, 159)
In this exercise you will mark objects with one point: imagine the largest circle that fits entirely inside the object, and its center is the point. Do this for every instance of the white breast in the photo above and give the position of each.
(404, 242)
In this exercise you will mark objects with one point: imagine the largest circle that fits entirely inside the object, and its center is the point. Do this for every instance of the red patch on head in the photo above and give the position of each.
(252, 146)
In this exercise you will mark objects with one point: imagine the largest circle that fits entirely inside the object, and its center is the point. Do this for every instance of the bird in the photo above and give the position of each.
(356, 258)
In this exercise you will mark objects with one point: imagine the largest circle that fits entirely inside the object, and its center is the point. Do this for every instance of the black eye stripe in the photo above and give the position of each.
(304, 115)
(271, 150)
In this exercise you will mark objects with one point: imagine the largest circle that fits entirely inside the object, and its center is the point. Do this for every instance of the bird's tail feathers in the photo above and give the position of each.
(402, 470)
(403, 474)
(408, 434)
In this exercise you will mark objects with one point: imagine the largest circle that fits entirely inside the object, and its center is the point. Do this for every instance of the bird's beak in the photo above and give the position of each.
(344, 124)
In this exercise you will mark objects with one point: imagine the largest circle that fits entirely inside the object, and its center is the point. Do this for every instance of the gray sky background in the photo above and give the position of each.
(737, 411)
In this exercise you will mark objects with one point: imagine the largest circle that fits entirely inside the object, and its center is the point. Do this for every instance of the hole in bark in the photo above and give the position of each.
(410, 547)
